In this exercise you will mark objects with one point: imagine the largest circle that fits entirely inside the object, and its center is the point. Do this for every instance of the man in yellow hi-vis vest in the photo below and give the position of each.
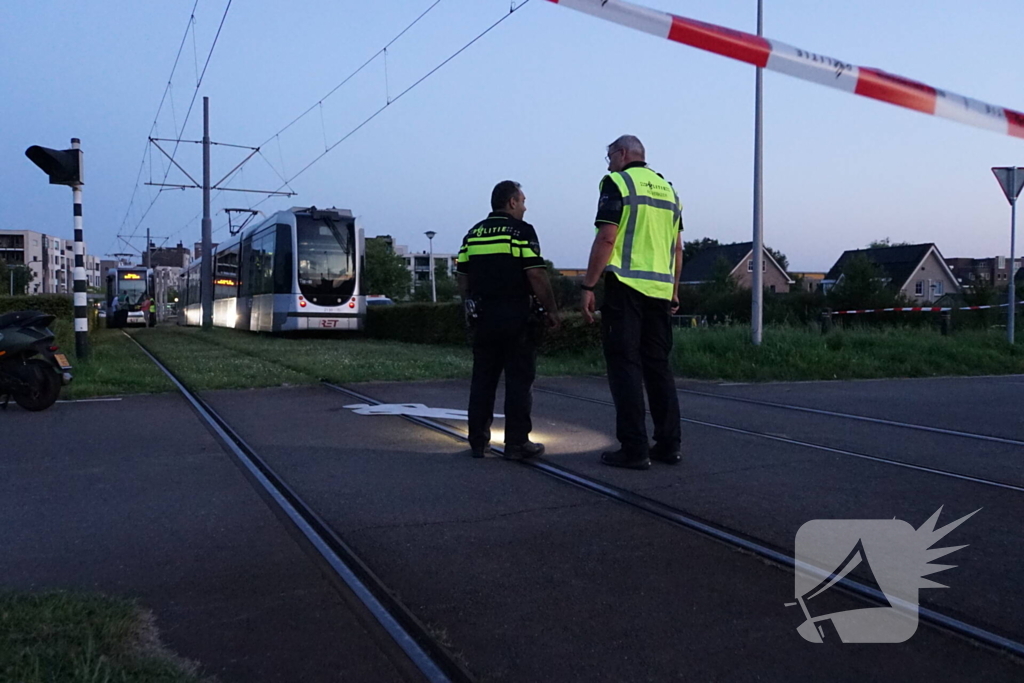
(639, 249)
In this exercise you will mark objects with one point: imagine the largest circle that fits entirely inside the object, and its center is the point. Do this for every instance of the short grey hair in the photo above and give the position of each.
(630, 144)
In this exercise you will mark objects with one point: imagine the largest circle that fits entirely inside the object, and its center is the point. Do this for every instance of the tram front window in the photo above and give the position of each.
(131, 288)
(327, 260)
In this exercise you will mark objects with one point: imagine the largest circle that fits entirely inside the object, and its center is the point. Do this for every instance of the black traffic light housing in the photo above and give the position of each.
(63, 166)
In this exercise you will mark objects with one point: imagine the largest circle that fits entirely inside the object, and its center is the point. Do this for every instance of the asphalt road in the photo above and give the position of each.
(524, 577)
(531, 579)
(135, 498)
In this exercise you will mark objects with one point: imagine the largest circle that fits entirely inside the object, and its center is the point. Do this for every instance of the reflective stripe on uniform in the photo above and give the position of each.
(660, 220)
(642, 274)
(498, 244)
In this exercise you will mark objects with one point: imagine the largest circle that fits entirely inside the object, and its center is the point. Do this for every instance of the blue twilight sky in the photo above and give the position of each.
(536, 100)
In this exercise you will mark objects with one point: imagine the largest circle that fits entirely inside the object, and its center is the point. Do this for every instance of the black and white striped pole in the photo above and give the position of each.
(65, 167)
(81, 301)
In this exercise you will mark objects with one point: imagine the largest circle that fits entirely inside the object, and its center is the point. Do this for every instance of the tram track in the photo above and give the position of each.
(730, 537)
(814, 446)
(852, 416)
(414, 649)
(735, 539)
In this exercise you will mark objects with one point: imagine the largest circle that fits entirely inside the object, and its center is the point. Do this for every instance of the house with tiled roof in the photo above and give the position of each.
(738, 258)
(917, 271)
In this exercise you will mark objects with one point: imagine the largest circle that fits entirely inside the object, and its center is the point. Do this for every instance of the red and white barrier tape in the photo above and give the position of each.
(921, 309)
(776, 56)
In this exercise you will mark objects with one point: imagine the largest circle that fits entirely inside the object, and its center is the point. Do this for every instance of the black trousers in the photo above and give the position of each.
(637, 335)
(506, 343)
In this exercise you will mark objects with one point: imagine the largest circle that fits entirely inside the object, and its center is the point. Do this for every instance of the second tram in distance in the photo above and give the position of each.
(299, 269)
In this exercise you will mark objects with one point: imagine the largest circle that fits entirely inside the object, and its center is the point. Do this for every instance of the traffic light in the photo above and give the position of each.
(63, 166)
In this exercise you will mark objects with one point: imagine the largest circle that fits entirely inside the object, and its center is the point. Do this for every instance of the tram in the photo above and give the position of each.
(299, 269)
(130, 286)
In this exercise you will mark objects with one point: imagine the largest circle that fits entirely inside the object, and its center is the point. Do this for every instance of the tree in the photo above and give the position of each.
(694, 247)
(886, 242)
(386, 272)
(862, 286)
(565, 289)
(23, 276)
(779, 257)
(444, 283)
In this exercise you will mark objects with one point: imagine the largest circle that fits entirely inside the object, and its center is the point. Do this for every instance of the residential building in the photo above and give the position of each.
(419, 263)
(917, 271)
(993, 272)
(171, 257)
(575, 274)
(738, 260)
(197, 250)
(807, 281)
(51, 259)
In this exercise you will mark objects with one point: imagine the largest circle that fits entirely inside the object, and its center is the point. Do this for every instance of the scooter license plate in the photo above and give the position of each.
(62, 360)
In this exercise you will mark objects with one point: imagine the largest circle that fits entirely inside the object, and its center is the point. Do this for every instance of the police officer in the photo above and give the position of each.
(499, 267)
(639, 249)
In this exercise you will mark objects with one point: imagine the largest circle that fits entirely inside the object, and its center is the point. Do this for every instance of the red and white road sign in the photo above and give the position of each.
(776, 56)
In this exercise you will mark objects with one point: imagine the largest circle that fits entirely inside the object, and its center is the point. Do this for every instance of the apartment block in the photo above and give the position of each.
(51, 259)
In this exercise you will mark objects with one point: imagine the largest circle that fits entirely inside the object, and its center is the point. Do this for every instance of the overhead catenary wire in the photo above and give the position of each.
(288, 179)
(399, 96)
(318, 104)
(352, 75)
(188, 113)
(152, 128)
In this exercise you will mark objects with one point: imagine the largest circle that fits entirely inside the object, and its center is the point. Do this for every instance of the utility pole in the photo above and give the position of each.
(206, 267)
(757, 244)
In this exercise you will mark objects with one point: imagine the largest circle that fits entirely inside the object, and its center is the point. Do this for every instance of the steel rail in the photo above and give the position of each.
(729, 537)
(429, 657)
(850, 416)
(807, 444)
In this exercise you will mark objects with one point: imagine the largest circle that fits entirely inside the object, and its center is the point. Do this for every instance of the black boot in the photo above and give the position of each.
(523, 451)
(669, 455)
(621, 458)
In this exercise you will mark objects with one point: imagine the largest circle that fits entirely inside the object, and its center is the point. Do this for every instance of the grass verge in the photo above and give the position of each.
(80, 638)
(230, 359)
(115, 366)
(339, 359)
(205, 366)
(793, 353)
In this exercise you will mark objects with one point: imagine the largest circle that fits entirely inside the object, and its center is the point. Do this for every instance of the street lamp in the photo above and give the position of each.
(433, 285)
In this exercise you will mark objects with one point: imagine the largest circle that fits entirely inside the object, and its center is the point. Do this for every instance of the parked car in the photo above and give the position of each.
(373, 300)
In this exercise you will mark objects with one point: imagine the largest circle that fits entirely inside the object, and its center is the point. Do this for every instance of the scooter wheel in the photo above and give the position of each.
(40, 386)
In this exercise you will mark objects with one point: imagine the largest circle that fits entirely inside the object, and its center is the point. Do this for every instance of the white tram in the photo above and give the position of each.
(299, 269)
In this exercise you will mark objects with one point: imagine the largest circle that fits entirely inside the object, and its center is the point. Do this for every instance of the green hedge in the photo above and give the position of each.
(444, 324)
(60, 305)
(417, 323)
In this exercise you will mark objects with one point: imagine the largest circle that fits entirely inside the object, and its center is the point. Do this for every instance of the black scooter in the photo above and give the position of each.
(31, 370)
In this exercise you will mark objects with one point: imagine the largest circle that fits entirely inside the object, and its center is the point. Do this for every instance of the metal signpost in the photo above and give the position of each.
(65, 167)
(1011, 179)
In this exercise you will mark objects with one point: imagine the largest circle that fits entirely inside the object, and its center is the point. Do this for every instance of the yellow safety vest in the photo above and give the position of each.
(644, 256)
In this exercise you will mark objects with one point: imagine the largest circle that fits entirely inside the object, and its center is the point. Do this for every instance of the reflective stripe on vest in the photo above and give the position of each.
(647, 232)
